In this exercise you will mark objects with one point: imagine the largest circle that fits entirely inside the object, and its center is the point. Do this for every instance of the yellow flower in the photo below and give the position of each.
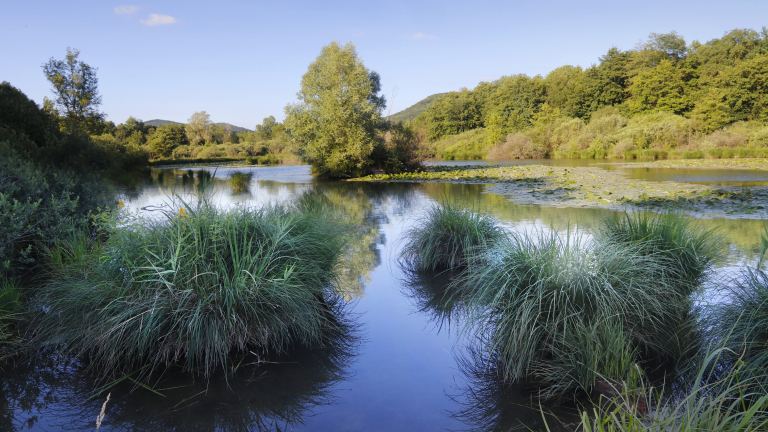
(183, 213)
(120, 205)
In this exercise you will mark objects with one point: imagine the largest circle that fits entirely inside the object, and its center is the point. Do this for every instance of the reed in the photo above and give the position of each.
(447, 236)
(196, 286)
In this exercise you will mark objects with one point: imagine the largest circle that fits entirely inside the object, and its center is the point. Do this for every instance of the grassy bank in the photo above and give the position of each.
(194, 287)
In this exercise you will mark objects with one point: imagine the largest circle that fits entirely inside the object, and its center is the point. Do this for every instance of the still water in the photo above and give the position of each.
(405, 363)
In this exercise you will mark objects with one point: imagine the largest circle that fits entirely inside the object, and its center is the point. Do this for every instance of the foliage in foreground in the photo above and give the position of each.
(447, 236)
(725, 403)
(194, 287)
(741, 322)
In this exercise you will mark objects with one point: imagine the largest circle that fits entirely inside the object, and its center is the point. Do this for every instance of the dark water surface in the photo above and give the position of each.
(403, 365)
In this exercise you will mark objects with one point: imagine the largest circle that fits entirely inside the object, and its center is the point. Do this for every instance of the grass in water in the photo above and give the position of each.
(708, 404)
(741, 322)
(239, 181)
(686, 254)
(446, 237)
(196, 286)
(564, 308)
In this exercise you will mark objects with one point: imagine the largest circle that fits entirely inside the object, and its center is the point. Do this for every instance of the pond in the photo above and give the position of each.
(405, 363)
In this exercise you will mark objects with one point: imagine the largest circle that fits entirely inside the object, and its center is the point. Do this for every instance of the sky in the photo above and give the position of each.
(241, 61)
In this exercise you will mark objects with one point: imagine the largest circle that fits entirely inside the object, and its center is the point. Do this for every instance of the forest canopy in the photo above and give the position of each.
(663, 82)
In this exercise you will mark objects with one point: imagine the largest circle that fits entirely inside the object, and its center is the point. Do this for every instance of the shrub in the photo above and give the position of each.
(195, 286)
(447, 235)
(39, 205)
(516, 146)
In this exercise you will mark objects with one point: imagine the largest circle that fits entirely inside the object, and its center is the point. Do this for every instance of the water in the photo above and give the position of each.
(404, 363)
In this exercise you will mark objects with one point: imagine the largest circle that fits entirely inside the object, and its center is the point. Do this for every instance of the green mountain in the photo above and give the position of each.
(411, 112)
(158, 122)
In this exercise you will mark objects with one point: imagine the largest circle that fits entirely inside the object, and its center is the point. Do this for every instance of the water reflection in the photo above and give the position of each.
(486, 404)
(48, 394)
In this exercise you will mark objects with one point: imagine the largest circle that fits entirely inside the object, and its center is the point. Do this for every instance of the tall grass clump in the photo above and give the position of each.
(195, 286)
(688, 250)
(741, 321)
(239, 181)
(10, 308)
(446, 237)
(710, 403)
(686, 254)
(539, 297)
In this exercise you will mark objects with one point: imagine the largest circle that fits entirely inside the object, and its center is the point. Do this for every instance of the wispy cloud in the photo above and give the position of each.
(422, 36)
(157, 19)
(126, 10)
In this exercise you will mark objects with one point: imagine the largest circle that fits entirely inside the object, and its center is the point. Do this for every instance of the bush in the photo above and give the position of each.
(195, 287)
(516, 146)
(38, 205)
(447, 235)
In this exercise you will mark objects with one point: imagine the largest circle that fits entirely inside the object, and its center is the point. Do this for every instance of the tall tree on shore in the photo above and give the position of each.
(338, 114)
(76, 88)
(199, 128)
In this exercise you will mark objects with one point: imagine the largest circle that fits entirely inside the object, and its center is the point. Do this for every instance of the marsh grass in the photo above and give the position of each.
(709, 404)
(446, 237)
(585, 355)
(689, 250)
(239, 181)
(686, 253)
(194, 287)
(543, 299)
(10, 310)
(741, 322)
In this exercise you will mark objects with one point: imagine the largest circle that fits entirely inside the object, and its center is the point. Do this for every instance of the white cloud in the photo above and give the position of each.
(157, 19)
(126, 10)
(422, 36)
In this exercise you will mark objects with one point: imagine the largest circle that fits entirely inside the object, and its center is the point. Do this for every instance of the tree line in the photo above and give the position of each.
(697, 88)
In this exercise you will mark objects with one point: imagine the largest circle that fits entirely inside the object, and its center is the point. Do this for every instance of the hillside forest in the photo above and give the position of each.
(663, 98)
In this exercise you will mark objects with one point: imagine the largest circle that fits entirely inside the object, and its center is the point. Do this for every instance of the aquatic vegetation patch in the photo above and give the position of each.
(239, 181)
(710, 403)
(447, 235)
(196, 286)
(538, 294)
(747, 164)
(597, 187)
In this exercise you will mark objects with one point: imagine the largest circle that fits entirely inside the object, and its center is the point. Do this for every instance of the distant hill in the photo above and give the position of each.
(411, 112)
(158, 122)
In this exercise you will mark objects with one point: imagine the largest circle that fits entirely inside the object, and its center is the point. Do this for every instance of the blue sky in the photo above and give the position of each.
(243, 61)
